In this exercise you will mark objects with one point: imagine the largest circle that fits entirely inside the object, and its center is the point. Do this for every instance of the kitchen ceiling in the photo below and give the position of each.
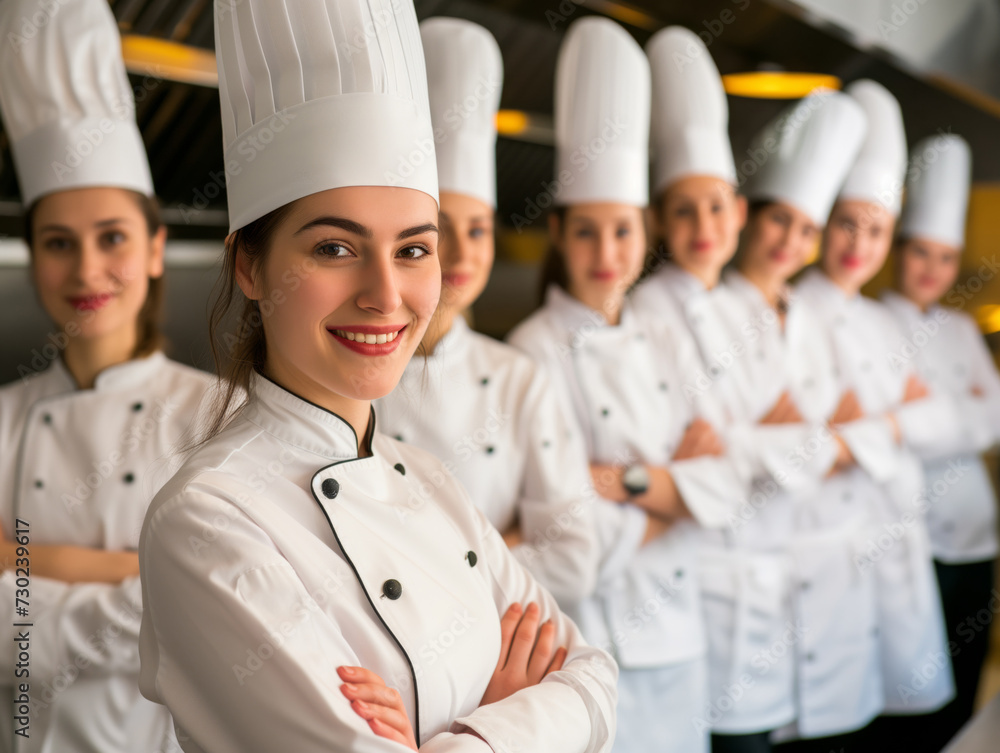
(182, 130)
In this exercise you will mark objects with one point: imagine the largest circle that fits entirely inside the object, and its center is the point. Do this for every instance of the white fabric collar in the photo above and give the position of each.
(301, 423)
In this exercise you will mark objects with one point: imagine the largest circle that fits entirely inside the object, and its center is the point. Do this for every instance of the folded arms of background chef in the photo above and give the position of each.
(78, 629)
(201, 615)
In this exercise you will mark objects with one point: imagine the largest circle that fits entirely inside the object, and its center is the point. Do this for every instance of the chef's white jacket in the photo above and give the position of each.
(628, 402)
(863, 335)
(80, 467)
(487, 411)
(746, 569)
(276, 555)
(838, 679)
(948, 352)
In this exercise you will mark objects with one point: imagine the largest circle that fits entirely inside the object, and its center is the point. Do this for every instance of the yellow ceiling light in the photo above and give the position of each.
(988, 318)
(512, 122)
(147, 56)
(777, 84)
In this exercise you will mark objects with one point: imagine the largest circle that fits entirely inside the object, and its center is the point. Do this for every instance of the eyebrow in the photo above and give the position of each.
(356, 228)
(65, 229)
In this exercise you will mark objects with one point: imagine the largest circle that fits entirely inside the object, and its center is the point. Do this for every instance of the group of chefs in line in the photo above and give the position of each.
(694, 503)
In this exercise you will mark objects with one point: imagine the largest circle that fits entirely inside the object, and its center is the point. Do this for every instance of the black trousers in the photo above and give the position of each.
(848, 742)
(970, 604)
(758, 742)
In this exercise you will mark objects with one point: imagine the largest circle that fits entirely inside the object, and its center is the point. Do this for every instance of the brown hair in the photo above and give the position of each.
(237, 355)
(554, 264)
(150, 334)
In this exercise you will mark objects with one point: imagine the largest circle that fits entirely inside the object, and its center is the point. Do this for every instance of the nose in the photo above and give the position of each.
(606, 248)
(702, 219)
(379, 291)
(89, 262)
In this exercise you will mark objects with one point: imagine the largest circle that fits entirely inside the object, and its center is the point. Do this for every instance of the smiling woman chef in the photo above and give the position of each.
(81, 442)
(299, 540)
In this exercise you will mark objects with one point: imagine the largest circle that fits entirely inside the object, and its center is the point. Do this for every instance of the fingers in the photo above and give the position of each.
(524, 638)
(541, 655)
(358, 675)
(370, 693)
(557, 661)
(382, 729)
(508, 625)
(380, 706)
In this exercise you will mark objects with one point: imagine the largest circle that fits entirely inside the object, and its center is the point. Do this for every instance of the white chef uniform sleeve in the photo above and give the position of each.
(570, 710)
(985, 409)
(78, 629)
(796, 456)
(556, 507)
(710, 487)
(873, 446)
(203, 616)
(977, 417)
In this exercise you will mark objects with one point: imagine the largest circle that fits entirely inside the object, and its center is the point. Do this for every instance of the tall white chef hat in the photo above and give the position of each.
(690, 120)
(320, 94)
(878, 172)
(937, 190)
(464, 80)
(602, 115)
(66, 101)
(806, 152)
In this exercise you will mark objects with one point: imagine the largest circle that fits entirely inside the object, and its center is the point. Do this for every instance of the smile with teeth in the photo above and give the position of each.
(361, 337)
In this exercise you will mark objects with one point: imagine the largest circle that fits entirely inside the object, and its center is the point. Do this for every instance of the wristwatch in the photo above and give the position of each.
(636, 480)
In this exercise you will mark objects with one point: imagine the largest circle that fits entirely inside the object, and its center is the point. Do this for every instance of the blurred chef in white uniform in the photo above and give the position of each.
(87, 440)
(916, 669)
(949, 355)
(653, 460)
(477, 404)
(808, 150)
(745, 568)
(301, 560)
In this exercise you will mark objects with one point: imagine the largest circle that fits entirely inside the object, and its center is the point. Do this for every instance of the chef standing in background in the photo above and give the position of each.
(916, 670)
(658, 466)
(477, 404)
(821, 519)
(947, 350)
(86, 443)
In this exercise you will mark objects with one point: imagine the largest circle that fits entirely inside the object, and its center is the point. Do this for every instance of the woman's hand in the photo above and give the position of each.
(512, 536)
(527, 653)
(699, 439)
(607, 480)
(848, 409)
(381, 706)
(784, 411)
(915, 389)
(72, 564)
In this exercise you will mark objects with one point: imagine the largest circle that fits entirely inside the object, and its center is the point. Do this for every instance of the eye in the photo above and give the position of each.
(583, 232)
(716, 208)
(683, 211)
(623, 231)
(112, 238)
(477, 232)
(333, 250)
(57, 244)
(412, 252)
